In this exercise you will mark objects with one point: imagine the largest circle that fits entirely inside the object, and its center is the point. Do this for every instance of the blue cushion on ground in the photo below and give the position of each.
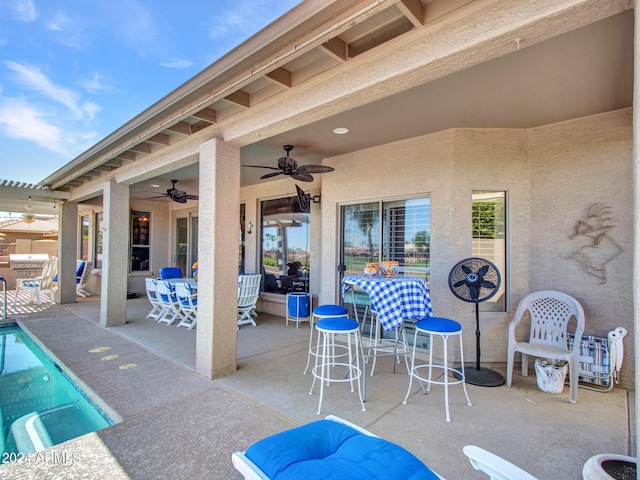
(439, 324)
(327, 450)
(330, 310)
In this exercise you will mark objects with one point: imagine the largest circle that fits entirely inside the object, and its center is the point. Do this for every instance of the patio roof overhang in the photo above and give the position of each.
(472, 63)
(17, 196)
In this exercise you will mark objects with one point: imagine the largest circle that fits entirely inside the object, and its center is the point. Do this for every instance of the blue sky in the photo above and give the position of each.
(72, 72)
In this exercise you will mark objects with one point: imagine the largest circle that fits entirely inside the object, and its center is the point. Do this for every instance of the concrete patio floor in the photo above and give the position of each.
(178, 424)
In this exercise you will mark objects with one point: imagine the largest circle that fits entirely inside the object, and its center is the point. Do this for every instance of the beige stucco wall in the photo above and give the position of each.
(447, 167)
(551, 175)
(573, 166)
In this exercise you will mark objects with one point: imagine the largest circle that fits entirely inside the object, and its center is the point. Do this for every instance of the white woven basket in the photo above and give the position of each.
(551, 375)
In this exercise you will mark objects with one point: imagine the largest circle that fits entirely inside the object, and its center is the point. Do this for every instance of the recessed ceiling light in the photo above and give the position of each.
(340, 130)
(154, 185)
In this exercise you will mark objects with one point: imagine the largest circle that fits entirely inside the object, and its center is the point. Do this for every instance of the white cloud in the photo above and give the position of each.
(59, 22)
(25, 10)
(245, 18)
(226, 22)
(90, 109)
(94, 85)
(177, 63)
(23, 122)
(32, 77)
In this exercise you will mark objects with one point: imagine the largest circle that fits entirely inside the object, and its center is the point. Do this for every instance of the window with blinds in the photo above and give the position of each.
(406, 235)
(403, 235)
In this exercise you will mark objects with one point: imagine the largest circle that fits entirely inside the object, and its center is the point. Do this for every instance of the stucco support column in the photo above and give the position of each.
(636, 215)
(67, 252)
(218, 227)
(115, 255)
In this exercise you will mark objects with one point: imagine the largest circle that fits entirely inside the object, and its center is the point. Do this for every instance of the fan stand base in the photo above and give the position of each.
(482, 378)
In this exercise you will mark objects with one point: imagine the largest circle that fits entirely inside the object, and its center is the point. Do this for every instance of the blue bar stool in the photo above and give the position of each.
(445, 328)
(327, 359)
(322, 311)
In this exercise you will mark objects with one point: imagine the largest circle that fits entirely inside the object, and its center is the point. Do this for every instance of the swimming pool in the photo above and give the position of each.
(39, 405)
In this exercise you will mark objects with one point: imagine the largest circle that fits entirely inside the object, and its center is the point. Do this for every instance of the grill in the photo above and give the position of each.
(27, 265)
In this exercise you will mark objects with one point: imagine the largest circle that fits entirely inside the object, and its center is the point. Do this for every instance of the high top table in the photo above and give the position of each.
(393, 299)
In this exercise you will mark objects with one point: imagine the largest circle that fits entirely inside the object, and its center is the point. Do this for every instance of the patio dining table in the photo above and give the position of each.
(393, 299)
(192, 282)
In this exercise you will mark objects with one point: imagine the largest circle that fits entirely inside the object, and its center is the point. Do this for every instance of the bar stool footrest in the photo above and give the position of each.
(457, 374)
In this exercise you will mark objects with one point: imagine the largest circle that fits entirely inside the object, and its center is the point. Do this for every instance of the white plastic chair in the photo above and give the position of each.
(550, 313)
(82, 277)
(42, 283)
(248, 294)
(496, 467)
(169, 301)
(156, 307)
(188, 301)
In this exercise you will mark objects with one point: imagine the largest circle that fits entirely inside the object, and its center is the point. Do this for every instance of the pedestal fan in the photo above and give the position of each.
(475, 280)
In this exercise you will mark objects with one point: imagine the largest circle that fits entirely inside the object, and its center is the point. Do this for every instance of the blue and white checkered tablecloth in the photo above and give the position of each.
(394, 299)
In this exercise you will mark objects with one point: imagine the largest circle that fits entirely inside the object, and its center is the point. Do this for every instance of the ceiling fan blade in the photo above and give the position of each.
(315, 169)
(482, 271)
(192, 197)
(261, 166)
(302, 176)
(269, 175)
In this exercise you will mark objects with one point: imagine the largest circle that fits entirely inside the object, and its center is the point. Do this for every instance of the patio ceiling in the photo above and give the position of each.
(584, 71)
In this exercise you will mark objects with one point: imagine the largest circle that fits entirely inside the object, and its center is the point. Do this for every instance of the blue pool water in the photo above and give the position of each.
(39, 405)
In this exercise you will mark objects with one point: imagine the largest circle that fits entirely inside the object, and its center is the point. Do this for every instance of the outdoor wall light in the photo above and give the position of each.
(249, 227)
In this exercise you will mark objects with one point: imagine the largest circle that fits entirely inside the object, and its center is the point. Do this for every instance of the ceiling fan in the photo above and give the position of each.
(176, 195)
(28, 217)
(289, 166)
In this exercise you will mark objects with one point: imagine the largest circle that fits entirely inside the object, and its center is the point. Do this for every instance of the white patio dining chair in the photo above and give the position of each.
(169, 302)
(156, 308)
(188, 301)
(82, 275)
(248, 294)
(43, 283)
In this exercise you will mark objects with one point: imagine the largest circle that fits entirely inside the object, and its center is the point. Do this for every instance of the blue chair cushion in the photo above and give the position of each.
(170, 272)
(330, 310)
(80, 269)
(337, 324)
(438, 324)
(327, 450)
